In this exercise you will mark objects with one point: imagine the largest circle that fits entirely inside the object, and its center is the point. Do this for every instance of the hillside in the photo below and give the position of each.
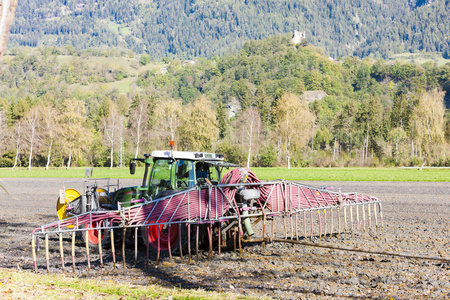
(189, 29)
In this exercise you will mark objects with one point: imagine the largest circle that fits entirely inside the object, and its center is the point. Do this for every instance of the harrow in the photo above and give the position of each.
(178, 212)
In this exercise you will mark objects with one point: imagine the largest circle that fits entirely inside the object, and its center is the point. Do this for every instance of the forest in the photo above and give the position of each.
(274, 103)
(201, 28)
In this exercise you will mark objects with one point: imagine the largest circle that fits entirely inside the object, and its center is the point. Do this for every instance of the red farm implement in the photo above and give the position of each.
(188, 203)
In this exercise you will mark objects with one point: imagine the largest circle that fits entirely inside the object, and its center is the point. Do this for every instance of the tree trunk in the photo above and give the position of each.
(70, 158)
(17, 154)
(111, 155)
(49, 152)
(31, 147)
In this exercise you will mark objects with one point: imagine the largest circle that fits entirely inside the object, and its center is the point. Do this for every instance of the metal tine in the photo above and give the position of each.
(370, 215)
(147, 246)
(351, 219)
(113, 248)
(123, 247)
(100, 250)
(324, 224)
(159, 245)
(196, 240)
(345, 221)
(338, 212)
(169, 245)
(296, 226)
(61, 250)
(320, 225)
(210, 241)
(219, 237)
(364, 217)
(240, 233)
(33, 250)
(189, 243)
(376, 217)
(292, 229)
(234, 240)
(273, 233)
(357, 218)
(285, 228)
(86, 237)
(311, 219)
(47, 256)
(180, 242)
(135, 246)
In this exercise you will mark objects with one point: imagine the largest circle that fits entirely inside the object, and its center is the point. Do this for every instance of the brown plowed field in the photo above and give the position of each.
(416, 221)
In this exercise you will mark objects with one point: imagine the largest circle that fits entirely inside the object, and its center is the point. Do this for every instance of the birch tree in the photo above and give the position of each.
(16, 136)
(48, 128)
(249, 125)
(112, 124)
(31, 124)
(138, 122)
(167, 120)
(295, 122)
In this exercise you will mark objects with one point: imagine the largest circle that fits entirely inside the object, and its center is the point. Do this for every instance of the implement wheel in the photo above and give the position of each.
(70, 195)
(150, 236)
(95, 236)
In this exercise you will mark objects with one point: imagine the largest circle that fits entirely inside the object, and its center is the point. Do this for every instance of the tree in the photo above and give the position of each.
(397, 135)
(111, 127)
(198, 130)
(249, 125)
(428, 122)
(74, 135)
(295, 123)
(167, 119)
(49, 128)
(31, 126)
(17, 135)
(139, 114)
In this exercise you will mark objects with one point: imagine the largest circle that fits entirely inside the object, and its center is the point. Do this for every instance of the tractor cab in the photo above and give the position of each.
(179, 170)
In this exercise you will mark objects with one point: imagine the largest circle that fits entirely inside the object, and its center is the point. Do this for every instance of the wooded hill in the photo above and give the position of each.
(272, 103)
(201, 28)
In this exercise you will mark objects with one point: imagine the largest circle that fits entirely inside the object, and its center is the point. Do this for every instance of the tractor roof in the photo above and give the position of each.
(197, 156)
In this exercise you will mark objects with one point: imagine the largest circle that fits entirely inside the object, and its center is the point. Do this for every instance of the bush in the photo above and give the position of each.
(267, 157)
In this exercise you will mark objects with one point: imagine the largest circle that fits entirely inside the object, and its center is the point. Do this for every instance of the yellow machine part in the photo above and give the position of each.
(70, 195)
(103, 196)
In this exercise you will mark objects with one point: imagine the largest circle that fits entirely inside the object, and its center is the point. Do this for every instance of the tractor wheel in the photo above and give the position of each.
(150, 237)
(95, 236)
(70, 195)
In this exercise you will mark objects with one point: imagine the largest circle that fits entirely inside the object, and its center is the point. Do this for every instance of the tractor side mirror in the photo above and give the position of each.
(132, 167)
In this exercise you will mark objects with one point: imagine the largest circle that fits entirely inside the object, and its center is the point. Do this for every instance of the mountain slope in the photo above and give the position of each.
(204, 28)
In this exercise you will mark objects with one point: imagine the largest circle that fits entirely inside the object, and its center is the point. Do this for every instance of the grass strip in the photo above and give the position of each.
(298, 174)
(28, 285)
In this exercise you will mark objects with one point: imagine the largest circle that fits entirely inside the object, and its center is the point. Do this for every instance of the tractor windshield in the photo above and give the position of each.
(168, 174)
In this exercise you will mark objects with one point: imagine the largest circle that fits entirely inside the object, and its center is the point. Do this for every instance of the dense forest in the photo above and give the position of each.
(271, 103)
(201, 28)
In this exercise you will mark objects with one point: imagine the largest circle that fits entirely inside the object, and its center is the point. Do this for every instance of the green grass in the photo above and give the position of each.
(420, 58)
(300, 174)
(353, 174)
(28, 285)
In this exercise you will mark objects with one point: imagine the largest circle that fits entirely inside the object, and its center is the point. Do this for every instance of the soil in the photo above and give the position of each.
(416, 222)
